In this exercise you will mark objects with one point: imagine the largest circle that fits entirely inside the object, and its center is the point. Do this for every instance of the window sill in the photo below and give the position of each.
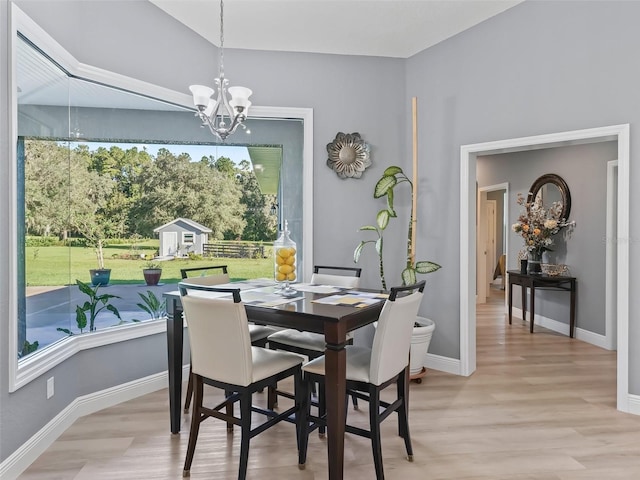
(39, 363)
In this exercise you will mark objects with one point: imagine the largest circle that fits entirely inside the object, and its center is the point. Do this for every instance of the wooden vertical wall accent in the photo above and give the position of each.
(414, 107)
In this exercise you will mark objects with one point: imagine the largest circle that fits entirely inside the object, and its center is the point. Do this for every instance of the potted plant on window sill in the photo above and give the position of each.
(101, 275)
(87, 313)
(152, 273)
(95, 227)
(423, 327)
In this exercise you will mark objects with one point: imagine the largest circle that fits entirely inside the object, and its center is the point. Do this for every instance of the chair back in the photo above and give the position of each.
(392, 340)
(336, 280)
(218, 334)
(221, 276)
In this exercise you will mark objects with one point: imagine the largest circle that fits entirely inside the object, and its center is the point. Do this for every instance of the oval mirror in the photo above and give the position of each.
(551, 188)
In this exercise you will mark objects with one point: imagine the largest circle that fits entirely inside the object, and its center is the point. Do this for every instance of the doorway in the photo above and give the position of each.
(491, 239)
(468, 252)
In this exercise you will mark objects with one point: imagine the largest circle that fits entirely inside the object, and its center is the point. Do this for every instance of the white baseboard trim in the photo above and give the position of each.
(28, 452)
(634, 404)
(443, 364)
(563, 328)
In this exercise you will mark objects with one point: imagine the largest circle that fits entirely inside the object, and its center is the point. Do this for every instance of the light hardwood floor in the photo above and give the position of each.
(539, 406)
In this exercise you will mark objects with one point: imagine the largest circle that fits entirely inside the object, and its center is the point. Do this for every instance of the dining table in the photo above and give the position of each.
(331, 311)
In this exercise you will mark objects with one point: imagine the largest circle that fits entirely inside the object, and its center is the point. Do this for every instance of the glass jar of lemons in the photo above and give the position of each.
(285, 261)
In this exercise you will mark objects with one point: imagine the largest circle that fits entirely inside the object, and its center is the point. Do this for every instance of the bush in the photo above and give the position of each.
(75, 242)
(33, 241)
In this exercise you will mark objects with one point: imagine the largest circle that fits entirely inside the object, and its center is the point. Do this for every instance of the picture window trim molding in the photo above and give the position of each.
(22, 371)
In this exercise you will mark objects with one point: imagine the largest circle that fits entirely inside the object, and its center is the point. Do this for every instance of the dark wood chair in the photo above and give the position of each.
(371, 370)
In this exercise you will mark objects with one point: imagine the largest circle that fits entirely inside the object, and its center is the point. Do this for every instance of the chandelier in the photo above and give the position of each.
(221, 114)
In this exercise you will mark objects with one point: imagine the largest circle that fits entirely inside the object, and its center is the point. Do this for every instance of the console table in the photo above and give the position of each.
(542, 282)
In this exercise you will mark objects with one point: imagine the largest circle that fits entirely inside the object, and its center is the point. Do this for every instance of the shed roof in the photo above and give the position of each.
(192, 223)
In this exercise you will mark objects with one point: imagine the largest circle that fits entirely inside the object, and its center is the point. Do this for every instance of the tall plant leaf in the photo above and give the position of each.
(427, 267)
(383, 186)
(392, 170)
(382, 219)
(409, 276)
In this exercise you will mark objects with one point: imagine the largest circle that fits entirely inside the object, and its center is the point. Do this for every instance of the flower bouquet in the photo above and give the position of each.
(537, 225)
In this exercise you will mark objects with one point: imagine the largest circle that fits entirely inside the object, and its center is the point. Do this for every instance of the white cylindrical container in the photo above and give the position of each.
(420, 339)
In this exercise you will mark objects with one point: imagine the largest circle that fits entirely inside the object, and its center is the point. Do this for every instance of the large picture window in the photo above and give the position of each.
(99, 169)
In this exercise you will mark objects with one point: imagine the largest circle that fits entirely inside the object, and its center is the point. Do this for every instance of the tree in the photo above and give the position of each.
(89, 194)
(225, 165)
(47, 173)
(260, 224)
(125, 168)
(174, 186)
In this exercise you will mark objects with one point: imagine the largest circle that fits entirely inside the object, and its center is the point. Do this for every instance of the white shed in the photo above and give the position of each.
(181, 237)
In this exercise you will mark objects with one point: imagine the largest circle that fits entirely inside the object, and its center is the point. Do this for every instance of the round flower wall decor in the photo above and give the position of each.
(348, 155)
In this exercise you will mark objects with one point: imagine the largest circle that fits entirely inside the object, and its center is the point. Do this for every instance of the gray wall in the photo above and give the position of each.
(537, 68)
(540, 67)
(584, 168)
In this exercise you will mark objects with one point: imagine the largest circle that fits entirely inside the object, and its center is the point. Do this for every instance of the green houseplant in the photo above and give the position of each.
(152, 272)
(153, 305)
(392, 177)
(89, 310)
(423, 327)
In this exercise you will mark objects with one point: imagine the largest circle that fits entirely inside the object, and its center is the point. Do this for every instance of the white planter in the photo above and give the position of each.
(420, 340)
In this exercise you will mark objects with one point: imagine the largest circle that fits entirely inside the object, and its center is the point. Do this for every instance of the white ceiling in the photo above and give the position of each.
(399, 28)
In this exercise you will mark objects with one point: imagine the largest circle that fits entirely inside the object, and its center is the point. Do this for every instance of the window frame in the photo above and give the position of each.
(184, 238)
(23, 371)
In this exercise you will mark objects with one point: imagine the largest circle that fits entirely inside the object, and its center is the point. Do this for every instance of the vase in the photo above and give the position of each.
(100, 276)
(534, 262)
(284, 255)
(420, 340)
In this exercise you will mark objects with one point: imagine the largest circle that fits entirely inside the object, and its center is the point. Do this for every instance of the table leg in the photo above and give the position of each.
(572, 309)
(335, 394)
(523, 289)
(510, 300)
(532, 315)
(174, 348)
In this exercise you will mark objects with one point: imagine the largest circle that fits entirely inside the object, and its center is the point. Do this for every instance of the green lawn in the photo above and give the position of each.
(52, 266)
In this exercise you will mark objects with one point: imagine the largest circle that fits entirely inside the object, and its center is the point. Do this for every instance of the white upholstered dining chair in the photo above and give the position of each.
(222, 356)
(311, 344)
(370, 370)
(210, 276)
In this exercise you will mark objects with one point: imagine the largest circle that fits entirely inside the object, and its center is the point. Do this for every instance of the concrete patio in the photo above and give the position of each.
(49, 308)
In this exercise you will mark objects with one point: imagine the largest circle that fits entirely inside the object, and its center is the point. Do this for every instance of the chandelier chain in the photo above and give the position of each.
(221, 66)
(223, 109)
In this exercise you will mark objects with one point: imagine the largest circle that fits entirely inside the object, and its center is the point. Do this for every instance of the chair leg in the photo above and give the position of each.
(322, 408)
(229, 410)
(272, 397)
(195, 425)
(403, 414)
(374, 424)
(298, 391)
(187, 400)
(303, 424)
(354, 399)
(245, 421)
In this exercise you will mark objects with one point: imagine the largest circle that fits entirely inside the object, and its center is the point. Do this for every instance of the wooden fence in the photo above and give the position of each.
(233, 250)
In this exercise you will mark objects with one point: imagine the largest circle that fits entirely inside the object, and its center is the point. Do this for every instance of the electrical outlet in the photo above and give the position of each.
(50, 390)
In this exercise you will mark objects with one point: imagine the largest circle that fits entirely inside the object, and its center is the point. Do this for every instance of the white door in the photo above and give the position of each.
(481, 246)
(490, 243)
(169, 243)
